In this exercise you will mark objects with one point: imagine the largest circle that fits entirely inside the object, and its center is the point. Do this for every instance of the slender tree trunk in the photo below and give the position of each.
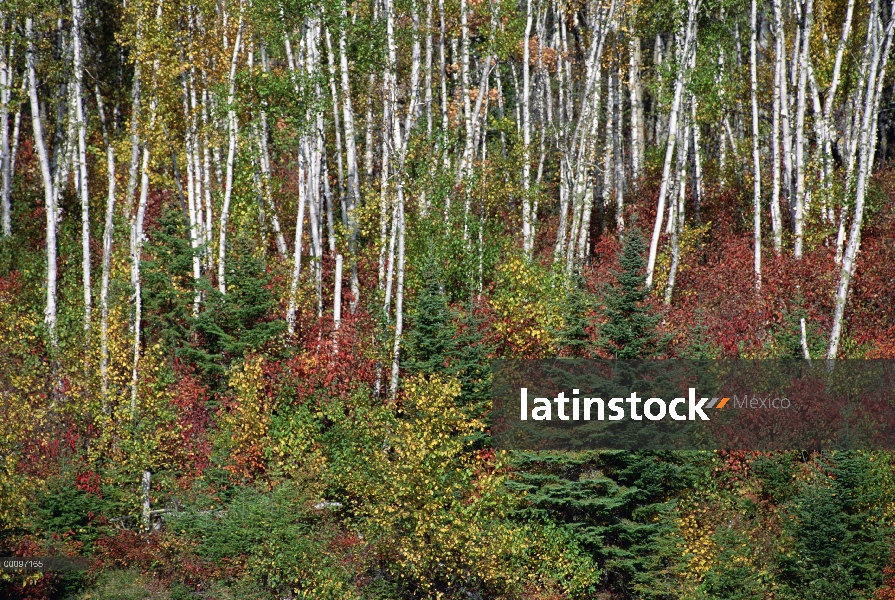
(698, 191)
(210, 156)
(137, 235)
(413, 97)
(608, 150)
(108, 230)
(683, 68)
(316, 156)
(337, 293)
(264, 151)
(870, 117)
(136, 240)
(7, 56)
(786, 128)
(427, 84)
(296, 261)
(337, 126)
(779, 101)
(678, 203)
(638, 147)
(527, 233)
(231, 150)
(81, 155)
(399, 296)
(194, 202)
(756, 157)
(389, 120)
(800, 191)
(444, 96)
(351, 156)
(136, 106)
(145, 488)
(48, 185)
(618, 152)
(465, 163)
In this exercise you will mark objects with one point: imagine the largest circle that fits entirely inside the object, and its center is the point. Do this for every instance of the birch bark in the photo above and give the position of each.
(50, 208)
(351, 158)
(527, 233)
(81, 155)
(756, 156)
(231, 151)
(7, 56)
(870, 117)
(779, 102)
(800, 191)
(108, 230)
(683, 68)
(635, 85)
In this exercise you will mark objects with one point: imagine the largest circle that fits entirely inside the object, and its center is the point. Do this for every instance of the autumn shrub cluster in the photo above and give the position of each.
(281, 466)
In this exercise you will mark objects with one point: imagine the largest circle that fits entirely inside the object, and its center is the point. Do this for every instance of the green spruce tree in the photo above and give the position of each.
(630, 328)
(573, 338)
(242, 320)
(431, 341)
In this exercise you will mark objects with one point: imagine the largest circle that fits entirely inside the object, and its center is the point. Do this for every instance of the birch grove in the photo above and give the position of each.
(330, 134)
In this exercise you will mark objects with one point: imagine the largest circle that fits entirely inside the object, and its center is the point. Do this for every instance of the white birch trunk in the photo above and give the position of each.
(779, 101)
(81, 156)
(108, 230)
(351, 158)
(683, 68)
(399, 297)
(527, 233)
(7, 56)
(800, 191)
(337, 293)
(231, 150)
(867, 144)
(698, 190)
(635, 85)
(427, 83)
(677, 204)
(756, 157)
(136, 233)
(48, 185)
(136, 242)
(296, 260)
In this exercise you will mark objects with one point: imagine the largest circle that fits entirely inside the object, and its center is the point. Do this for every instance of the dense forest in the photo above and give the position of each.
(256, 257)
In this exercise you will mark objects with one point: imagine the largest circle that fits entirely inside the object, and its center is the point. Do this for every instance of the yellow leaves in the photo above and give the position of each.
(690, 240)
(246, 420)
(527, 313)
(697, 543)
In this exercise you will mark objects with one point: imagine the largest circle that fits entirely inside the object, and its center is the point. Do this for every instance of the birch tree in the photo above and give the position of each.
(635, 85)
(527, 225)
(231, 151)
(801, 193)
(108, 230)
(50, 206)
(688, 35)
(7, 72)
(756, 156)
(351, 158)
(81, 153)
(779, 103)
(881, 44)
